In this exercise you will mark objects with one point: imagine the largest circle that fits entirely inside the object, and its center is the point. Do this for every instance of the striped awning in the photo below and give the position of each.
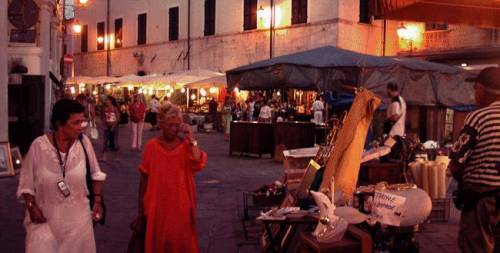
(482, 13)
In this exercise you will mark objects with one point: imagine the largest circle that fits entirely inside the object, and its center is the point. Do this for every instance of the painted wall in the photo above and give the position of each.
(4, 122)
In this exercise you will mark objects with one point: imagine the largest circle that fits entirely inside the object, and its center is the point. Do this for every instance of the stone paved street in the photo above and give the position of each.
(219, 187)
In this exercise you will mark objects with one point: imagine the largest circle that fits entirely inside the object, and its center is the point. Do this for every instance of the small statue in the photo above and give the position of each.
(331, 228)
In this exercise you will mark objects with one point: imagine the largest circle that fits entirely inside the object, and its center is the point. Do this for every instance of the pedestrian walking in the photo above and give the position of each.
(88, 114)
(110, 118)
(475, 164)
(137, 113)
(227, 117)
(212, 109)
(167, 173)
(154, 103)
(52, 185)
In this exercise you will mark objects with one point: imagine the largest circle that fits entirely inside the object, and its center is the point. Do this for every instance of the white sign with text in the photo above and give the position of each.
(388, 208)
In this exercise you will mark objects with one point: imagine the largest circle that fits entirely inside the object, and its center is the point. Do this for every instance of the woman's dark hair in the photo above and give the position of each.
(113, 101)
(62, 110)
(392, 86)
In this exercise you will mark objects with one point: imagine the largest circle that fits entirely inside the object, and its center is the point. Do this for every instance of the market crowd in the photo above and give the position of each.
(61, 180)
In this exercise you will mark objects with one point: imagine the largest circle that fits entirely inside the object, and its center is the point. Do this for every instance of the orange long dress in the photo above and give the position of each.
(169, 200)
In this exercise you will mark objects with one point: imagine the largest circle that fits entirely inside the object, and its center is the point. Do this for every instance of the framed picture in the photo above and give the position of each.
(6, 167)
(17, 159)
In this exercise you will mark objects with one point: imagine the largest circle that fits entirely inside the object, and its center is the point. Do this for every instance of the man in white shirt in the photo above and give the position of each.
(396, 112)
(317, 109)
(265, 114)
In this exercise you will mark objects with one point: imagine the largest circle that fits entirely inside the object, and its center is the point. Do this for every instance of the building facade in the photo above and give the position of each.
(166, 36)
(31, 38)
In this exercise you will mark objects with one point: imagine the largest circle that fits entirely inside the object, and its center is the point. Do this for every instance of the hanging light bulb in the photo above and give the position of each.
(169, 94)
(193, 96)
(130, 87)
(203, 92)
(183, 90)
(212, 90)
(107, 86)
(278, 93)
(72, 90)
(236, 90)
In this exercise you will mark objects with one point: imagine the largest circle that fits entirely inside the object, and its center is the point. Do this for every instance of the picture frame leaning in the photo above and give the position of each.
(6, 166)
(17, 159)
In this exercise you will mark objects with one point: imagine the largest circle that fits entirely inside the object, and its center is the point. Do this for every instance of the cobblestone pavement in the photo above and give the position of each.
(219, 202)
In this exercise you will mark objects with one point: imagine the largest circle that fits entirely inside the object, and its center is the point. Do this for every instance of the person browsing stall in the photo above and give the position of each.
(52, 185)
(394, 124)
(475, 164)
(167, 188)
(318, 108)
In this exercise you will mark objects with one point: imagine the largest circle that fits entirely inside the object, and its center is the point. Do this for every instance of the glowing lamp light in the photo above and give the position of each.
(100, 39)
(212, 90)
(94, 92)
(169, 94)
(236, 90)
(72, 90)
(168, 87)
(83, 2)
(141, 90)
(108, 86)
(77, 28)
(464, 64)
(171, 90)
(278, 93)
(18, 161)
(130, 87)
(261, 13)
(81, 85)
(183, 90)
(151, 92)
(407, 33)
(193, 96)
(82, 89)
(203, 92)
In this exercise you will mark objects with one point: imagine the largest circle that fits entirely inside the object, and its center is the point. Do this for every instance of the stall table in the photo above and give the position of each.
(251, 137)
(294, 134)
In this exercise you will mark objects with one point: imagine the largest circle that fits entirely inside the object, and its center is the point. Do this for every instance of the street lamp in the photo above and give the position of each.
(408, 33)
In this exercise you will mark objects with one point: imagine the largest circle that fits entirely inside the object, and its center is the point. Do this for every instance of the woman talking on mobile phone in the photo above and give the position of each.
(53, 186)
(167, 190)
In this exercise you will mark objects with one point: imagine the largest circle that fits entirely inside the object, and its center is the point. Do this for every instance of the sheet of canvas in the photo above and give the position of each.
(345, 161)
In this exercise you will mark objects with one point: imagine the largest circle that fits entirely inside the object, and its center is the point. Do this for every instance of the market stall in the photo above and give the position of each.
(329, 68)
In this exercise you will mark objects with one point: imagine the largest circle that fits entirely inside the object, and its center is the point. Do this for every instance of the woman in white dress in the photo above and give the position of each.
(53, 186)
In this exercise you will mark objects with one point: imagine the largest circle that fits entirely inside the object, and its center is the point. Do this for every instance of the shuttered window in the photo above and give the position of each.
(141, 28)
(118, 32)
(250, 15)
(84, 42)
(100, 36)
(173, 23)
(209, 17)
(299, 11)
(364, 12)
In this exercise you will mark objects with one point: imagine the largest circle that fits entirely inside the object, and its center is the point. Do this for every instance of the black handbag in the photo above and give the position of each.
(90, 187)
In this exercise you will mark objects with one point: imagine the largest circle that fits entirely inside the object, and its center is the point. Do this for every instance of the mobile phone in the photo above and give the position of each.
(181, 135)
(63, 188)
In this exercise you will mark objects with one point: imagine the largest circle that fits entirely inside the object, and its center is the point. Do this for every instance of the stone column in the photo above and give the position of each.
(46, 10)
(4, 115)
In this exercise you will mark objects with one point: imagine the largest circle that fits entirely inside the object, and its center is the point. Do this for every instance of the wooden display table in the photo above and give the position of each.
(250, 137)
(375, 172)
(294, 134)
(355, 240)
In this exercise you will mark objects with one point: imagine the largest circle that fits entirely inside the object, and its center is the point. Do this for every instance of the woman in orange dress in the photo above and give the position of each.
(167, 190)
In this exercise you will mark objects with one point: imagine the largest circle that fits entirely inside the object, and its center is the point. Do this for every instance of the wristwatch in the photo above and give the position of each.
(193, 143)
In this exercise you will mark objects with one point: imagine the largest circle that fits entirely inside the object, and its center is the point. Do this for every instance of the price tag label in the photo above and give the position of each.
(388, 208)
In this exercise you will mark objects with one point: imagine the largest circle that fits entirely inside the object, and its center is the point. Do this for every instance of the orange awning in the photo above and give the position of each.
(482, 13)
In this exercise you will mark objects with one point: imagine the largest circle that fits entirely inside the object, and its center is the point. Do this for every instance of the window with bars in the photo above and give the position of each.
(250, 15)
(364, 12)
(84, 42)
(118, 32)
(173, 23)
(209, 17)
(299, 11)
(141, 28)
(100, 35)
